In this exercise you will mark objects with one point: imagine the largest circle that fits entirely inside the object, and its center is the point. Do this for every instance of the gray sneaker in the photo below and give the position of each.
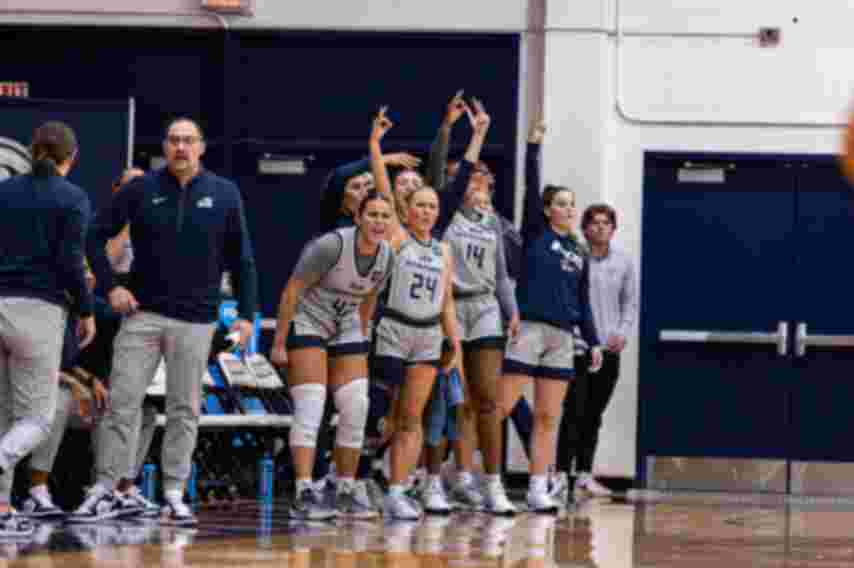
(375, 493)
(467, 496)
(351, 505)
(307, 507)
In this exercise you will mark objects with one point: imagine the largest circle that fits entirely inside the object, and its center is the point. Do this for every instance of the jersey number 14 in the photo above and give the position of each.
(475, 254)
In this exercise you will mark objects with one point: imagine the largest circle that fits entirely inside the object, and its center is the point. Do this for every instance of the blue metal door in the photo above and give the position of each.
(747, 337)
(717, 295)
(822, 450)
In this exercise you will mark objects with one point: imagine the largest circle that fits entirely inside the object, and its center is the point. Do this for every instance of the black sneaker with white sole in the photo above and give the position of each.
(100, 505)
(15, 526)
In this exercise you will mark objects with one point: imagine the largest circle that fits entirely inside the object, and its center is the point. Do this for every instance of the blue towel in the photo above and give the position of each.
(442, 412)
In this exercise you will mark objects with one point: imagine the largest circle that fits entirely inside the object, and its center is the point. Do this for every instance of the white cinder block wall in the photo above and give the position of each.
(684, 76)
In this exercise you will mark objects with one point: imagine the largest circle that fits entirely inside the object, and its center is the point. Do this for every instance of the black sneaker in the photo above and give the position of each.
(14, 526)
(41, 506)
(100, 505)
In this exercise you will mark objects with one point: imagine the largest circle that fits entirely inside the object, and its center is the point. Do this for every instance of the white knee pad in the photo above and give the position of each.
(351, 400)
(309, 400)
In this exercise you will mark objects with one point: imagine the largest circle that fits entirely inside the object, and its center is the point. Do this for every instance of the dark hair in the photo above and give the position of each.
(550, 191)
(598, 209)
(373, 195)
(177, 119)
(53, 143)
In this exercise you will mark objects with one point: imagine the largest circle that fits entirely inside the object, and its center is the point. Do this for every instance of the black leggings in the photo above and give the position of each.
(583, 407)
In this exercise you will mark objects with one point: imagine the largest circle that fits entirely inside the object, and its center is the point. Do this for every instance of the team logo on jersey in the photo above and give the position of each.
(570, 261)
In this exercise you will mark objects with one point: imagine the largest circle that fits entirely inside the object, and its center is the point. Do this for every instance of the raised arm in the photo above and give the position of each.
(378, 166)
(533, 219)
(438, 161)
(336, 183)
(450, 200)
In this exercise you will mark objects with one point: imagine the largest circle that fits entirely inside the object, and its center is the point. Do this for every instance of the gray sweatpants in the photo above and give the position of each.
(31, 335)
(44, 456)
(143, 338)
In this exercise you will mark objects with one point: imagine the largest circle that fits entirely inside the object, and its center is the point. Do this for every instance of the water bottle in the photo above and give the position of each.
(192, 483)
(265, 479)
(149, 481)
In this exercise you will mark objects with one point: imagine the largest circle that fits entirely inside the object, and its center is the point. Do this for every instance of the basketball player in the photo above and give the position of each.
(321, 335)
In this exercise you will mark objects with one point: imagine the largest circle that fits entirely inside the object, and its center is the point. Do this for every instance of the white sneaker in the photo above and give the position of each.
(541, 502)
(434, 500)
(496, 501)
(176, 513)
(400, 507)
(586, 482)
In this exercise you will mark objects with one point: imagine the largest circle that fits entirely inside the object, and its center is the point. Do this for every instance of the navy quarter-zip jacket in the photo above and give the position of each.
(183, 240)
(43, 224)
(554, 284)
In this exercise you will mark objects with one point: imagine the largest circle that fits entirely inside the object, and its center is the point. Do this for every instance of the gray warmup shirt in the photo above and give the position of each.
(613, 294)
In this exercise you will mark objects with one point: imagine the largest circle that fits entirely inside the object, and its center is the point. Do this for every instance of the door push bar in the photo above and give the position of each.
(780, 339)
(804, 340)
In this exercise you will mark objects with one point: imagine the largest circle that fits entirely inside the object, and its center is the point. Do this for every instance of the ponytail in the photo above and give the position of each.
(53, 144)
(44, 166)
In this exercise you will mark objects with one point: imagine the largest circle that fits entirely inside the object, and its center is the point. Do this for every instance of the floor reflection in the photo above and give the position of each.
(700, 531)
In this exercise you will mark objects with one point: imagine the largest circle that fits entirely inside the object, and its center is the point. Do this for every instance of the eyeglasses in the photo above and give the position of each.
(187, 140)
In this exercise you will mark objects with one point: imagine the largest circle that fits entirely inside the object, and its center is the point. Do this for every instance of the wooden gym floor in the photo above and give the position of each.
(693, 532)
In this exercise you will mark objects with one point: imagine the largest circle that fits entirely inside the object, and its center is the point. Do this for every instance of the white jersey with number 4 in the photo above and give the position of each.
(341, 291)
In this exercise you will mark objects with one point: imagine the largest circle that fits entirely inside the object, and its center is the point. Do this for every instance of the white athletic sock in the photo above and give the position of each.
(39, 491)
(465, 477)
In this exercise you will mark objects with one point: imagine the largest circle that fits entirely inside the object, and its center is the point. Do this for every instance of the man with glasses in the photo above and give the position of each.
(187, 226)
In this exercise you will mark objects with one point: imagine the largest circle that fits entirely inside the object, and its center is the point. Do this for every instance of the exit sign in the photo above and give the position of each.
(14, 89)
(243, 7)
